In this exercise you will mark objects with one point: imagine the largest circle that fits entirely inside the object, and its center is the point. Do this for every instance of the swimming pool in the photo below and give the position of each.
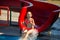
(6, 37)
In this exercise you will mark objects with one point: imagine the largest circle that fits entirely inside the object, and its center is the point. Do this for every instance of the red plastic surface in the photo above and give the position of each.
(42, 13)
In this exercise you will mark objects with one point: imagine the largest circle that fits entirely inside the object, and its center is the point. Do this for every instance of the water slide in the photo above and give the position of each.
(44, 14)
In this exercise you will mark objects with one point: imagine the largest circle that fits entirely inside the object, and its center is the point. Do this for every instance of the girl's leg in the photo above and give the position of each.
(29, 32)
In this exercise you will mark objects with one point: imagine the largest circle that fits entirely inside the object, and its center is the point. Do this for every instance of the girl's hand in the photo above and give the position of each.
(25, 30)
(32, 27)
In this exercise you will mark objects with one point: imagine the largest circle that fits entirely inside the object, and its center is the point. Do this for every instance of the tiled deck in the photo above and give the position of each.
(14, 31)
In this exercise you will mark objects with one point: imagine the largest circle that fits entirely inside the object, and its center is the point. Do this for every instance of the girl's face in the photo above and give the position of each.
(29, 15)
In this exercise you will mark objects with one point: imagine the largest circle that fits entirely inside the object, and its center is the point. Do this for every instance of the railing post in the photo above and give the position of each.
(10, 16)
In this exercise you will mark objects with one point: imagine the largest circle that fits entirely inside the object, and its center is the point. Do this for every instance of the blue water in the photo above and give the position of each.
(5, 37)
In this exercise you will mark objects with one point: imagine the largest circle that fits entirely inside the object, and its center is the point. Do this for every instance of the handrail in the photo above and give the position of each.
(4, 7)
(30, 4)
(57, 10)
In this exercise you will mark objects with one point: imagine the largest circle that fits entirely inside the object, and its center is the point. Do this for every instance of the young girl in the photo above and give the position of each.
(29, 22)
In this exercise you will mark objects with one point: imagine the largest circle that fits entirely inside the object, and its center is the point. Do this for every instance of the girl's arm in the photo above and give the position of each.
(25, 30)
(33, 24)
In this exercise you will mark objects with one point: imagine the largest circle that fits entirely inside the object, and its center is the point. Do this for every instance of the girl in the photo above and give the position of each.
(29, 22)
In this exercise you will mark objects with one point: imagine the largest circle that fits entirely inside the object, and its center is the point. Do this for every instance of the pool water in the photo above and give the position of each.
(5, 37)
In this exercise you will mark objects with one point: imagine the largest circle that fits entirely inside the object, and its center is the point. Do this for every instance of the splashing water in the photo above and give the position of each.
(32, 36)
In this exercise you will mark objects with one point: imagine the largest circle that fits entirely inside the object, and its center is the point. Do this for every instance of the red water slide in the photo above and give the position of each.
(43, 14)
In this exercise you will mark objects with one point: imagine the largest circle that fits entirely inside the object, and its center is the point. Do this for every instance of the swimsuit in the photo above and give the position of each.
(28, 24)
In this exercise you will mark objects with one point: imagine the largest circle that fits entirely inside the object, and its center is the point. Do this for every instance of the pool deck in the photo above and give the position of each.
(14, 31)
